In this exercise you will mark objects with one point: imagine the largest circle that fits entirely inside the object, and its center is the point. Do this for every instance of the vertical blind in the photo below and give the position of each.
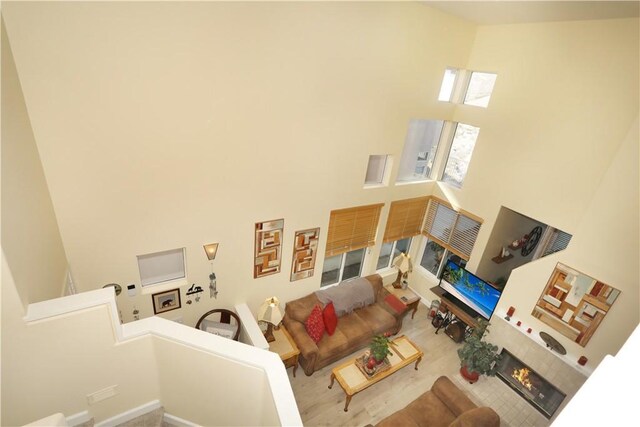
(405, 219)
(452, 230)
(352, 228)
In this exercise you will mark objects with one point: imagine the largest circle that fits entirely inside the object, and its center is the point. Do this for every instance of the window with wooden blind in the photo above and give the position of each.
(454, 231)
(558, 241)
(352, 228)
(405, 219)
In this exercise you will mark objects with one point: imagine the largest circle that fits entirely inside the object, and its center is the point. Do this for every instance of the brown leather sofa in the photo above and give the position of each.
(353, 332)
(445, 405)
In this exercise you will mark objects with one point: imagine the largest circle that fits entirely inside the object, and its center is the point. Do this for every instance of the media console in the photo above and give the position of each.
(454, 309)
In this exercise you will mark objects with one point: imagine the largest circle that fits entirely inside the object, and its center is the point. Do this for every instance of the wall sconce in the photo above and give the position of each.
(270, 313)
(404, 265)
(211, 249)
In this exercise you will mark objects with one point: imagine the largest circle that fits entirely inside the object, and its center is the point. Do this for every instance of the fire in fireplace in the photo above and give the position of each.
(536, 390)
(522, 376)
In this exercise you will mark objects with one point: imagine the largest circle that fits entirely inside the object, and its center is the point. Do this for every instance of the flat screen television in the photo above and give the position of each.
(482, 297)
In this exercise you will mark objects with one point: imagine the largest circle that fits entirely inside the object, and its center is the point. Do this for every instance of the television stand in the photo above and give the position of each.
(454, 309)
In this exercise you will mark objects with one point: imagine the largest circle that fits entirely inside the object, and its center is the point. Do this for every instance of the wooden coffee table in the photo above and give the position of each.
(353, 380)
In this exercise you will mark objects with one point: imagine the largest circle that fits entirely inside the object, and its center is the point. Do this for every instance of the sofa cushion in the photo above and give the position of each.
(330, 345)
(356, 330)
(455, 399)
(477, 417)
(300, 309)
(377, 318)
(330, 319)
(314, 324)
(428, 409)
(398, 419)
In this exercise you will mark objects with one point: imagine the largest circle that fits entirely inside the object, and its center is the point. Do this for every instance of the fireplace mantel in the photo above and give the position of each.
(569, 359)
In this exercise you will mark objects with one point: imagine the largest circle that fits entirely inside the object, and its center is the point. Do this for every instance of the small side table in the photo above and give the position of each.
(407, 296)
(286, 348)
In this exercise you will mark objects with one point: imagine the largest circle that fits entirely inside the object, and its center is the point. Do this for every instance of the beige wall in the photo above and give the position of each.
(30, 236)
(215, 391)
(559, 143)
(177, 125)
(52, 365)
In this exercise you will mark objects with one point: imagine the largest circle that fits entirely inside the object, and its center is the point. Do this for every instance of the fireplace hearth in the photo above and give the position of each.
(536, 390)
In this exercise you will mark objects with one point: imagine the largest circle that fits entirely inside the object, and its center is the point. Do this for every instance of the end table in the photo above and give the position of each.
(286, 348)
(407, 296)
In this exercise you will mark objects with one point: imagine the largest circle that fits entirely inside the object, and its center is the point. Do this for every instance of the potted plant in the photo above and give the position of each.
(478, 357)
(379, 350)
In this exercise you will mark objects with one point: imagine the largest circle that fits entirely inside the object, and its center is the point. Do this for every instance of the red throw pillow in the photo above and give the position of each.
(314, 324)
(330, 318)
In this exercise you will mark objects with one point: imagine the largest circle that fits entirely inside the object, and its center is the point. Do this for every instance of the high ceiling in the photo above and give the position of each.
(514, 12)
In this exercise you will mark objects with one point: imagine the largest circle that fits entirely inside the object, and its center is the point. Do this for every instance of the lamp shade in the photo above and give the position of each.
(270, 311)
(211, 249)
(403, 263)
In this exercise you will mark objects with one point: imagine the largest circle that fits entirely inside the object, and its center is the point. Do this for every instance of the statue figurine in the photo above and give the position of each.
(212, 286)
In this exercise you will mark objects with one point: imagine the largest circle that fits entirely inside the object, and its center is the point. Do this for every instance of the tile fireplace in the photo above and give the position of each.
(536, 390)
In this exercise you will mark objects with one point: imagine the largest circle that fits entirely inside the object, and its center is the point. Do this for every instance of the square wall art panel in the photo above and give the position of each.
(268, 248)
(574, 304)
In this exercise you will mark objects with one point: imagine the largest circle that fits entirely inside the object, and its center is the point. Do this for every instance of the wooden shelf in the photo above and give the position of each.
(501, 259)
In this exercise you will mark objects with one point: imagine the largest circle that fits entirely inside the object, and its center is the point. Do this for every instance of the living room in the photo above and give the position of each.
(174, 125)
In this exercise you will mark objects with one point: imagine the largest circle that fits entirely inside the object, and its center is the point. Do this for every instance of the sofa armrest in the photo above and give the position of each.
(308, 348)
(454, 398)
(483, 416)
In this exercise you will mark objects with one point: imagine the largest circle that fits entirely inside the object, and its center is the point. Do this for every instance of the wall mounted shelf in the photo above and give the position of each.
(501, 259)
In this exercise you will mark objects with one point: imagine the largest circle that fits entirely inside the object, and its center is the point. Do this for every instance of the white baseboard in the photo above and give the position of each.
(79, 418)
(130, 414)
(178, 422)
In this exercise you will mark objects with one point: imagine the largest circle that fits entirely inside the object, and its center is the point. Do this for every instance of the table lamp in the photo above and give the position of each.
(404, 265)
(270, 313)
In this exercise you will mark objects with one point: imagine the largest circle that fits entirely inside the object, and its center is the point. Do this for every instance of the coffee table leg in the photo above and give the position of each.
(415, 308)
(346, 405)
(418, 361)
(333, 377)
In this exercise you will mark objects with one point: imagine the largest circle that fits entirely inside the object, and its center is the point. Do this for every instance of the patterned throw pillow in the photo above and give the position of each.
(330, 319)
(314, 324)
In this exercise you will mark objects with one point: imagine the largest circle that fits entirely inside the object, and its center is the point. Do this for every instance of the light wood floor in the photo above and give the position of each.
(321, 406)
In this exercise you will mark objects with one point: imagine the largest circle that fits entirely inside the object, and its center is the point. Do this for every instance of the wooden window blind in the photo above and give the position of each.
(352, 228)
(453, 230)
(405, 219)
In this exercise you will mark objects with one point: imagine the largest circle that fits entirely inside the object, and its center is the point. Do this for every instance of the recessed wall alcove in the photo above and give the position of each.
(515, 240)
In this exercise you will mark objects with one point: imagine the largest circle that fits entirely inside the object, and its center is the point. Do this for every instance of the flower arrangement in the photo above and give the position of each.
(380, 347)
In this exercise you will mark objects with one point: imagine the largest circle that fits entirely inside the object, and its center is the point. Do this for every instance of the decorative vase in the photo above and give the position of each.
(472, 377)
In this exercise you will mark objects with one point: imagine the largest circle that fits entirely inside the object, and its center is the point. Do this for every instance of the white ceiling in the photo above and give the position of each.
(515, 12)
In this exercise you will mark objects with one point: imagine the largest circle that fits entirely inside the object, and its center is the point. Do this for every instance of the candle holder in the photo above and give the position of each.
(510, 313)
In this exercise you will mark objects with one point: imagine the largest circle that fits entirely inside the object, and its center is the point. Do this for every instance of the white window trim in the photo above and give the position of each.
(386, 173)
(164, 284)
(343, 259)
(444, 146)
(423, 271)
(395, 242)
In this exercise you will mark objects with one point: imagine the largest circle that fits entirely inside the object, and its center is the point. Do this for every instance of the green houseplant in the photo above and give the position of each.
(379, 348)
(478, 357)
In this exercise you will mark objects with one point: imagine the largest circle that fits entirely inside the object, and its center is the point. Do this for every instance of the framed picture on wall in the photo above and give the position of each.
(268, 248)
(305, 247)
(574, 303)
(166, 301)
